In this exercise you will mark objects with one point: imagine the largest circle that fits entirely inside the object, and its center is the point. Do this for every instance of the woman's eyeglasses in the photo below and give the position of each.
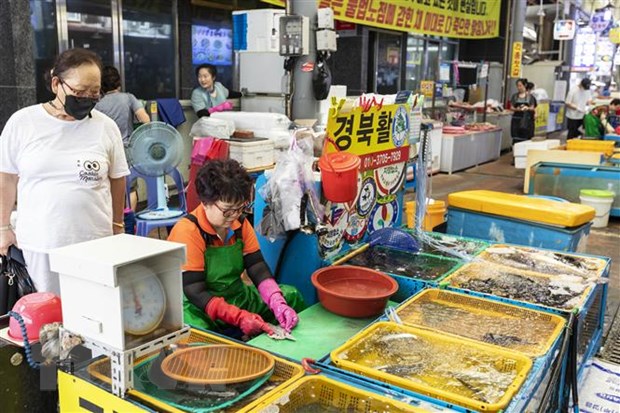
(80, 94)
(231, 212)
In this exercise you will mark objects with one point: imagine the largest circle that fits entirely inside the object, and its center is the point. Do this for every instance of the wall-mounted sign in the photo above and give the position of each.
(600, 20)
(564, 30)
(515, 63)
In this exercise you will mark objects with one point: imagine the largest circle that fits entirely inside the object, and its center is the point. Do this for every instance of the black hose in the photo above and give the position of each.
(573, 370)
(557, 367)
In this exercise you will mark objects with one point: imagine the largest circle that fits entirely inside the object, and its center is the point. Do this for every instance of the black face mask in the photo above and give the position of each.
(79, 108)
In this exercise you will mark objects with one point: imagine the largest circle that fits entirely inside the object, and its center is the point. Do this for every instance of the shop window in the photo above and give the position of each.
(43, 20)
(413, 64)
(148, 48)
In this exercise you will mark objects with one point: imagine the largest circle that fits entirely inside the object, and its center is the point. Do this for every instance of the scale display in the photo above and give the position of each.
(144, 302)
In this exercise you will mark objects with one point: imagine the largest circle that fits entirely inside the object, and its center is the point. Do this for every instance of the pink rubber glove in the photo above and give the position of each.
(221, 107)
(272, 296)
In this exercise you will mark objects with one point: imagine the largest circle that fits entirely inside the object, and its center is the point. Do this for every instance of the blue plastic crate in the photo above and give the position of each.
(409, 286)
(515, 231)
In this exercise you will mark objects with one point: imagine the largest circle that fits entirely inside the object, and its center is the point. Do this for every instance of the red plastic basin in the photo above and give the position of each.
(36, 310)
(353, 291)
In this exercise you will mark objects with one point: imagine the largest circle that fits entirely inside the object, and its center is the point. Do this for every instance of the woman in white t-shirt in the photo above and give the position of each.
(64, 164)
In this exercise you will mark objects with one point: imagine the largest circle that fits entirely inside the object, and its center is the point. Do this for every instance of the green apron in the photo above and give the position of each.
(223, 267)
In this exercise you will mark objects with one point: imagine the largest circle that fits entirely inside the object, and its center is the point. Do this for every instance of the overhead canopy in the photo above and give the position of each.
(466, 19)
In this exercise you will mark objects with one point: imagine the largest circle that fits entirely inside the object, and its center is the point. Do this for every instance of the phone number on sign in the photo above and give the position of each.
(380, 159)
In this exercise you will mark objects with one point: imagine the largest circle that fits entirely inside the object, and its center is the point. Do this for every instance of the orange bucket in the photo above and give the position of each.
(339, 172)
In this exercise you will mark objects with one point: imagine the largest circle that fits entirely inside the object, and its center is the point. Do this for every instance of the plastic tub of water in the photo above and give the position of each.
(601, 201)
(352, 291)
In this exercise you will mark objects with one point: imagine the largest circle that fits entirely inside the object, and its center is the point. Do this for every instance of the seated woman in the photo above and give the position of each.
(221, 245)
(210, 96)
(595, 123)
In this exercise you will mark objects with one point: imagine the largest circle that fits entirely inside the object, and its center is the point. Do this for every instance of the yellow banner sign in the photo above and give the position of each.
(517, 55)
(541, 118)
(559, 119)
(380, 135)
(466, 19)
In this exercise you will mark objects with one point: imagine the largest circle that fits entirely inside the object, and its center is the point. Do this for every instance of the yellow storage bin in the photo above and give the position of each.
(516, 328)
(328, 395)
(520, 285)
(564, 214)
(607, 147)
(474, 375)
(284, 374)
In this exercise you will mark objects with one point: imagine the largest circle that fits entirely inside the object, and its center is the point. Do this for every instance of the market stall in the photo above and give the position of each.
(471, 145)
(413, 320)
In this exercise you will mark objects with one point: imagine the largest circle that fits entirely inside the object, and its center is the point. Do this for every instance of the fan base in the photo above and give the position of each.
(160, 214)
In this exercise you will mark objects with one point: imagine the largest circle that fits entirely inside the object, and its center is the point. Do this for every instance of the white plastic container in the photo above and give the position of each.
(601, 201)
(520, 149)
(253, 153)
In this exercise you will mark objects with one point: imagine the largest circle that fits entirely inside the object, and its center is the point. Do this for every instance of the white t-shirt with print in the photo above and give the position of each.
(64, 169)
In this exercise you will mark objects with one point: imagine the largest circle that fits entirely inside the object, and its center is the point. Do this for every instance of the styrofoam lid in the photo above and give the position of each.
(597, 193)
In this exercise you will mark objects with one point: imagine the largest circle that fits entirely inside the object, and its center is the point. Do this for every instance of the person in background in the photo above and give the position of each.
(221, 245)
(64, 164)
(576, 101)
(211, 95)
(614, 113)
(122, 108)
(523, 106)
(596, 123)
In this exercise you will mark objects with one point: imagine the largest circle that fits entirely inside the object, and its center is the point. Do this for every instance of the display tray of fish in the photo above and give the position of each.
(453, 369)
(560, 291)
(545, 262)
(528, 331)
(414, 265)
(442, 244)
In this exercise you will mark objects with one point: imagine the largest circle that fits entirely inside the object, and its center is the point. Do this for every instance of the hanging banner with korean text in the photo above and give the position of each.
(515, 64)
(465, 19)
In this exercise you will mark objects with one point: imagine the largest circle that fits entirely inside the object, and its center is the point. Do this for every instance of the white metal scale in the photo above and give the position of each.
(123, 296)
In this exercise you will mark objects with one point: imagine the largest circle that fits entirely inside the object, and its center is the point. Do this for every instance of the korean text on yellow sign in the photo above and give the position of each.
(380, 136)
(473, 19)
(517, 55)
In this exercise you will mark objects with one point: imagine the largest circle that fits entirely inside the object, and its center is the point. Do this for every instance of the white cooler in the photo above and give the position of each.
(519, 150)
(252, 153)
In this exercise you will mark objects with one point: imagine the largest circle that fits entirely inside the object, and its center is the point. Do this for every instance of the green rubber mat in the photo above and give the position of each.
(317, 334)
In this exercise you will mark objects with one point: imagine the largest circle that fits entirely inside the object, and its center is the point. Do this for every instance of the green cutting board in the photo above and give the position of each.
(317, 334)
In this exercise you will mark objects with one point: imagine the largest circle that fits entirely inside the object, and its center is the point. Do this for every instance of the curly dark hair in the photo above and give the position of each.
(110, 79)
(223, 180)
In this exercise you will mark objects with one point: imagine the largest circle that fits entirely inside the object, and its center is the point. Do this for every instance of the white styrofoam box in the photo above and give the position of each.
(273, 126)
(94, 273)
(521, 148)
(261, 31)
(520, 162)
(261, 72)
(252, 154)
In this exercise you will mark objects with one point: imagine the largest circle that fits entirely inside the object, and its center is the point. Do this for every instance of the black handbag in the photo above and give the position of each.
(15, 282)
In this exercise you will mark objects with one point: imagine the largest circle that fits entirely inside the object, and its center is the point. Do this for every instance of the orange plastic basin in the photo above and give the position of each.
(352, 291)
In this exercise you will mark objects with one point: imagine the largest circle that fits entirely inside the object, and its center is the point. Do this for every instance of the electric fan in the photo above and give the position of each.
(155, 149)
